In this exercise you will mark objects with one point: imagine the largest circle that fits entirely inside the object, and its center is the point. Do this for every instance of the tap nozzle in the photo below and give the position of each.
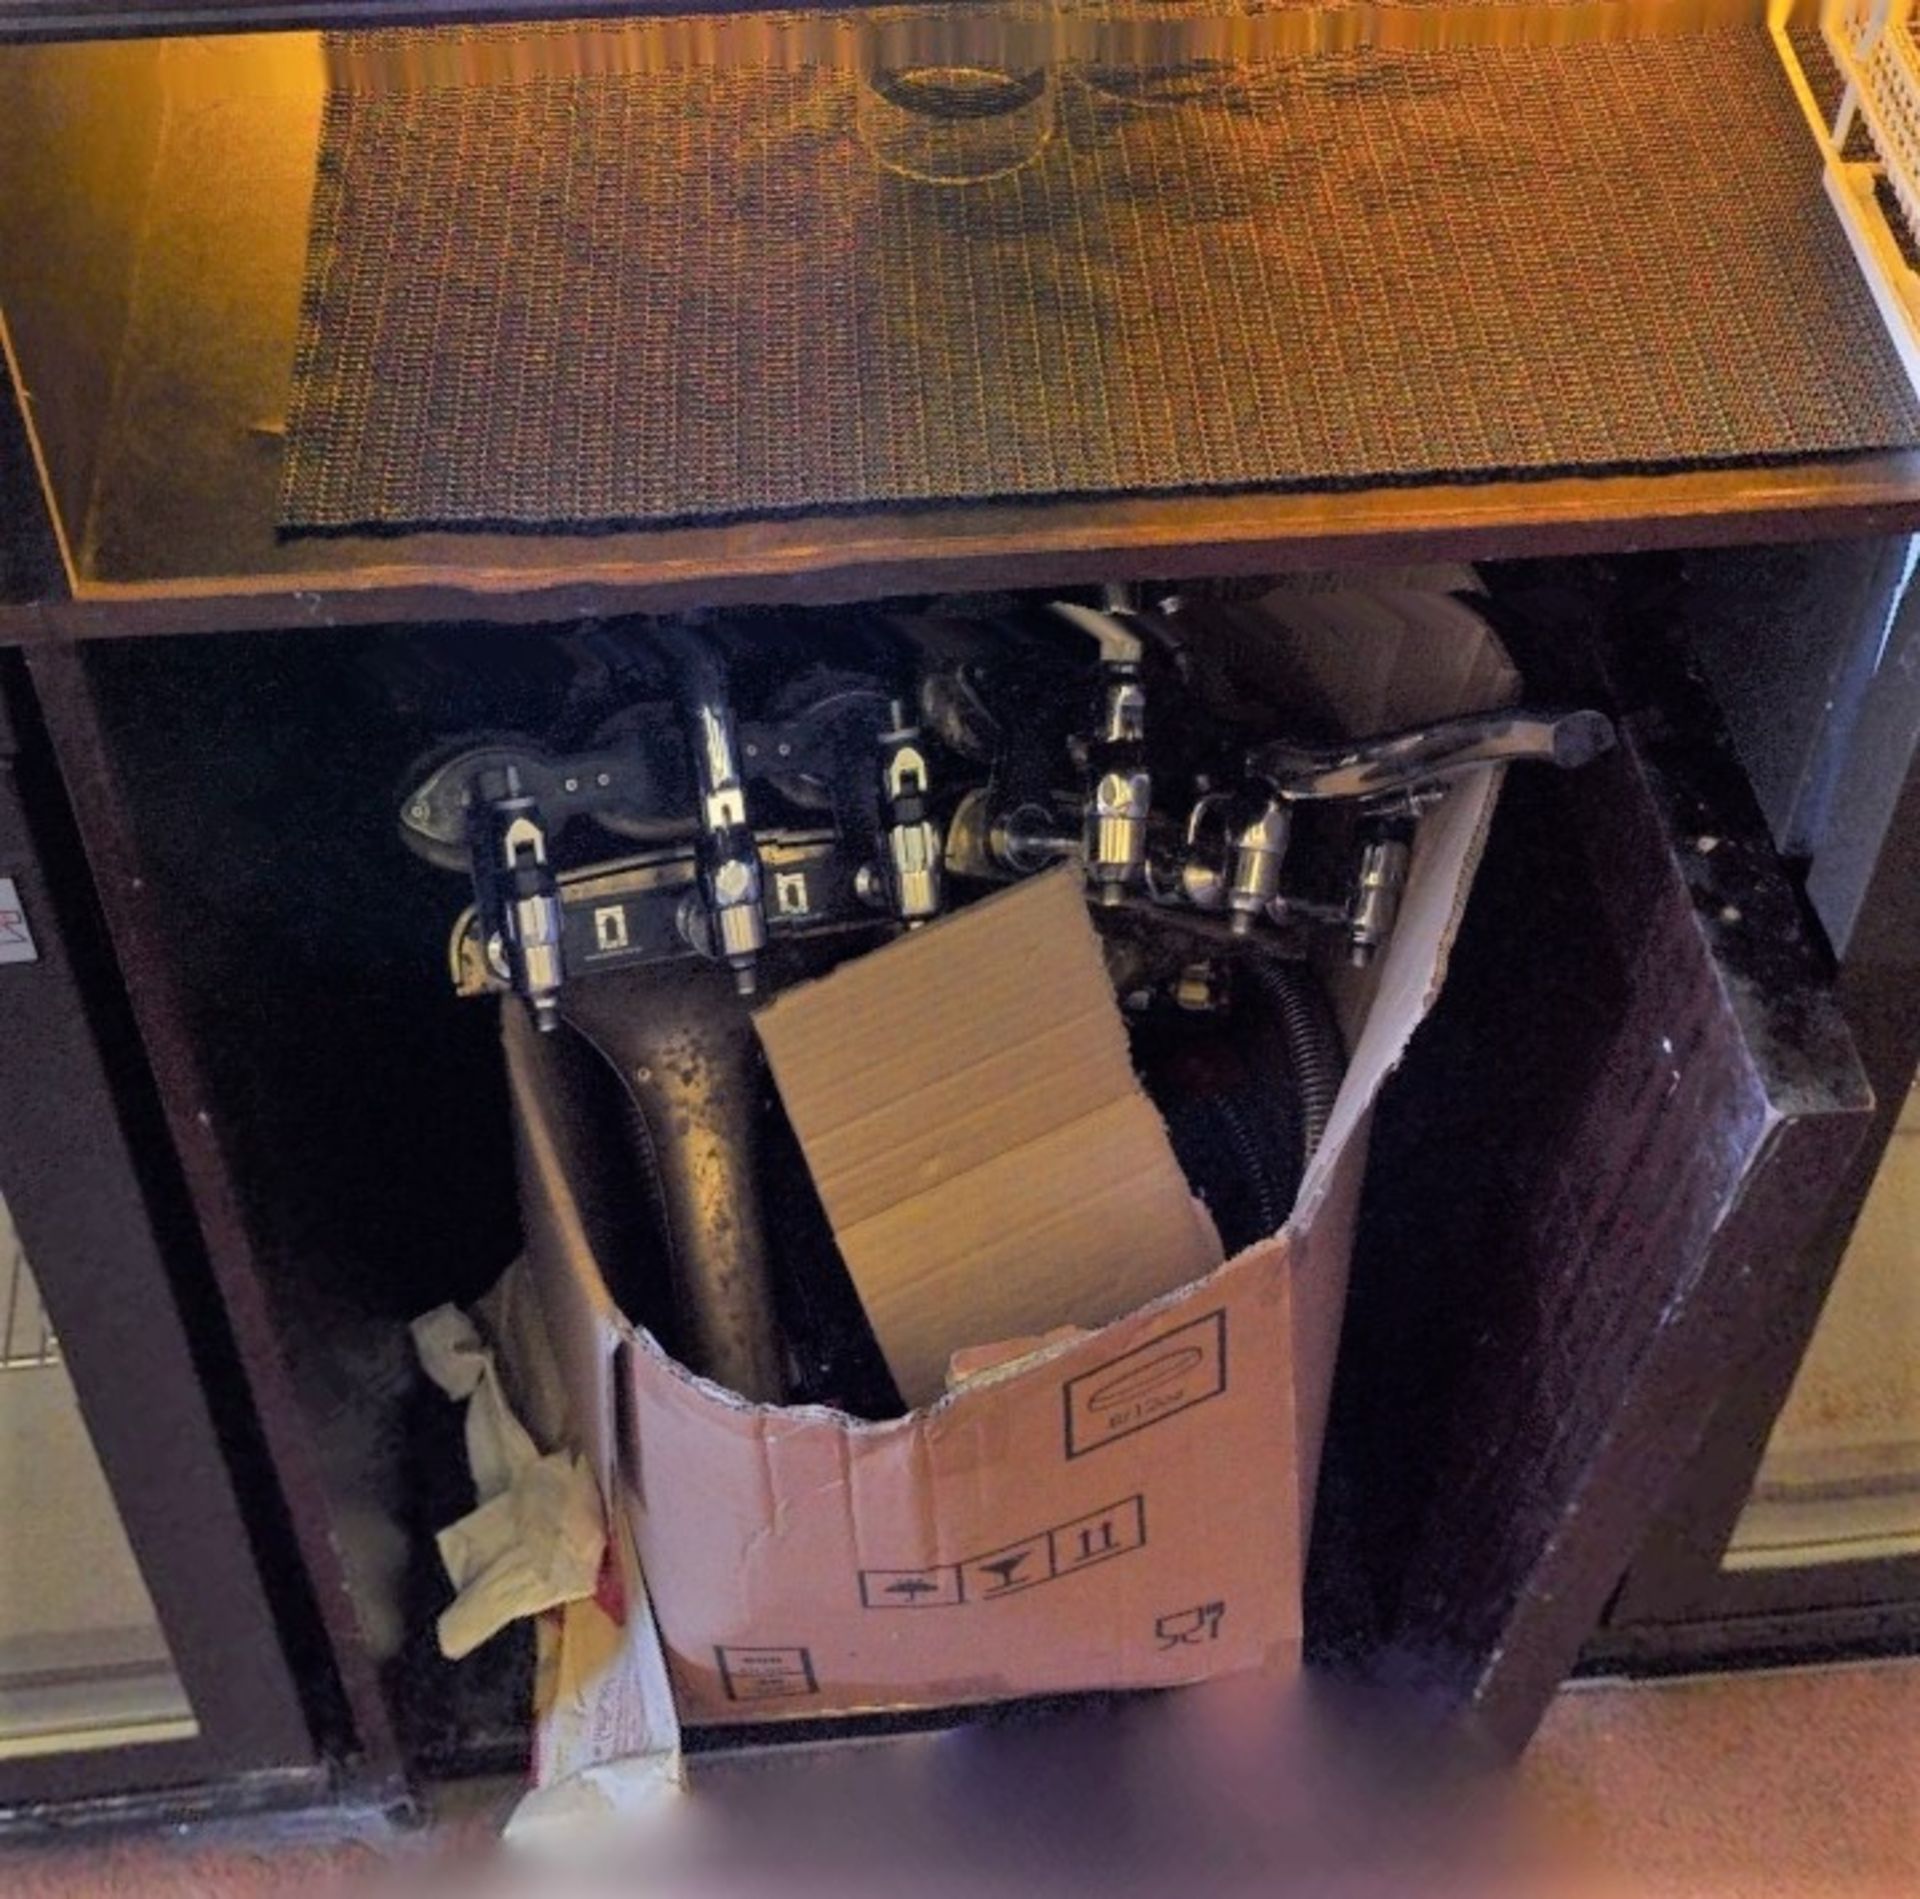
(516, 896)
(1117, 832)
(731, 883)
(1120, 792)
(1260, 841)
(1386, 850)
(1121, 797)
(913, 867)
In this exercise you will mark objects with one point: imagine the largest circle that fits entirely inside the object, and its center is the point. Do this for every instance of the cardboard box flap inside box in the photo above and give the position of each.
(1125, 1507)
(991, 1165)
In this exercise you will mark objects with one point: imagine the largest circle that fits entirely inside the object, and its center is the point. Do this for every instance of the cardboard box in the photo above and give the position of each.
(1126, 1507)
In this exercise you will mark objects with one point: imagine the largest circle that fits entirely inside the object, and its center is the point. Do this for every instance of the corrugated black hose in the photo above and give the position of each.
(1313, 1041)
(1243, 1124)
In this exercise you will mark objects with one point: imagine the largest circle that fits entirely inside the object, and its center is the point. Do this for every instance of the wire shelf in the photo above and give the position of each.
(1869, 140)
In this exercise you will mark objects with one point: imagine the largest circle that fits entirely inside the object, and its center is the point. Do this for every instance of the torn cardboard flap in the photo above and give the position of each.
(606, 1736)
(969, 1111)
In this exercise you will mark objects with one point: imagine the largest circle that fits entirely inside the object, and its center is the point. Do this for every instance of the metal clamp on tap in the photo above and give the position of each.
(912, 867)
(516, 897)
(727, 919)
(1120, 795)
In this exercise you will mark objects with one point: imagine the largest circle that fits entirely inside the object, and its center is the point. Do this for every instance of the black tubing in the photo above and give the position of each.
(1312, 1037)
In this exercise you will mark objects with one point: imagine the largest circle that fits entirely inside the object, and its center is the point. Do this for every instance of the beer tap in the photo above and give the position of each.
(1241, 874)
(1395, 777)
(516, 896)
(1429, 754)
(726, 918)
(910, 872)
(1120, 793)
(1380, 879)
(1261, 831)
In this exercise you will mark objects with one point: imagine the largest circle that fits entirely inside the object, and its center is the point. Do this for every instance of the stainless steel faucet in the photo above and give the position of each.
(729, 921)
(1120, 791)
(516, 894)
(1394, 776)
(912, 870)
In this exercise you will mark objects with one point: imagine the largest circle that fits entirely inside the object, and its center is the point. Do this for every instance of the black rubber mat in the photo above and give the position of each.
(642, 298)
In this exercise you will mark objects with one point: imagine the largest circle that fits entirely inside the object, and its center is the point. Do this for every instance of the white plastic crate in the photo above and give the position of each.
(1872, 45)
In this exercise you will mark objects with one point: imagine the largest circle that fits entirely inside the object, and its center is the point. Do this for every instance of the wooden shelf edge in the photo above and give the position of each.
(834, 560)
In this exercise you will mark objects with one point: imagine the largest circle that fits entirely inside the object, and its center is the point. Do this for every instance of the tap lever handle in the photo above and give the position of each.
(1426, 754)
(735, 922)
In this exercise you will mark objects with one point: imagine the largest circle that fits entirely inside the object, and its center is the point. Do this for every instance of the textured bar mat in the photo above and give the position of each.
(580, 301)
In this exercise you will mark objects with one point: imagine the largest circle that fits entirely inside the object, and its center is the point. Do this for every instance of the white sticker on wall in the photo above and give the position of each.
(16, 939)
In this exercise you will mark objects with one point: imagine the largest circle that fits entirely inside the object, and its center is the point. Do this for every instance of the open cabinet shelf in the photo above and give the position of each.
(154, 223)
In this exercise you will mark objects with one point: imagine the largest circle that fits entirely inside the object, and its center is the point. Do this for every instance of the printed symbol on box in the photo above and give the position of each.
(610, 927)
(1003, 1572)
(1042, 1557)
(766, 1674)
(16, 937)
(791, 897)
(1185, 1627)
(1093, 1539)
(1168, 1374)
(910, 1588)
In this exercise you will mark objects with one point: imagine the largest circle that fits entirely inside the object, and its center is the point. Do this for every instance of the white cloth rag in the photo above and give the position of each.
(538, 1536)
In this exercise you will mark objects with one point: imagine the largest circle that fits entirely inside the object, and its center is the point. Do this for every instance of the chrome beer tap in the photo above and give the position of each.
(911, 869)
(1429, 754)
(516, 896)
(726, 918)
(1380, 881)
(1394, 778)
(1120, 787)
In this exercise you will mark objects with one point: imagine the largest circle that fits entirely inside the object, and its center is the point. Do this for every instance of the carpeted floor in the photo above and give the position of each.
(1782, 1785)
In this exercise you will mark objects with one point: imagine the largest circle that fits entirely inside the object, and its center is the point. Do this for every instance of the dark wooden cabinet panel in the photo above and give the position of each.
(1678, 1602)
(87, 1179)
(1622, 1123)
(186, 1127)
(29, 560)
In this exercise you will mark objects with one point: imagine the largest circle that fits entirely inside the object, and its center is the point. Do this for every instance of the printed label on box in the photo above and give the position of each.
(766, 1674)
(1168, 1374)
(1186, 1627)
